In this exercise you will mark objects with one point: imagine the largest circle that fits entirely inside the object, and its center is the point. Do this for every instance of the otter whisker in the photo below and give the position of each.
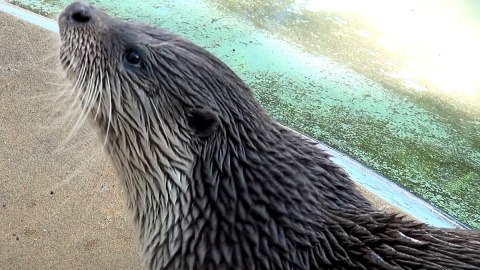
(90, 90)
(82, 88)
(86, 98)
(108, 89)
(78, 84)
(98, 95)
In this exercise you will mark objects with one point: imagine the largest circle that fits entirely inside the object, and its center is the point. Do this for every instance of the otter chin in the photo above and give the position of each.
(211, 180)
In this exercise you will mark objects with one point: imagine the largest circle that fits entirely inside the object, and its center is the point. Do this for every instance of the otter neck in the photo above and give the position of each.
(153, 166)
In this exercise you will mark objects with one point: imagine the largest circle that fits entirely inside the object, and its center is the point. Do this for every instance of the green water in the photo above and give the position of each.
(331, 88)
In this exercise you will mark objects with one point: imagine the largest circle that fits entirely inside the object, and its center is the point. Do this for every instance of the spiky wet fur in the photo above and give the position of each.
(246, 193)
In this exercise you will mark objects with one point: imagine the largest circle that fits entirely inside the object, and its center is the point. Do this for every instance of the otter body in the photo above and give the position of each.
(211, 180)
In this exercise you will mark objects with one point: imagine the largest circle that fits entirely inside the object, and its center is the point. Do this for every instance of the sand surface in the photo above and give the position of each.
(61, 206)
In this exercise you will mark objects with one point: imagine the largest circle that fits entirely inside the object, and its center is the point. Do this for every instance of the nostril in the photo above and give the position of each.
(78, 12)
(81, 15)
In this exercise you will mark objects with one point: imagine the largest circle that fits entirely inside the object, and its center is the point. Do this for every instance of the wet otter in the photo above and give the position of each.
(211, 180)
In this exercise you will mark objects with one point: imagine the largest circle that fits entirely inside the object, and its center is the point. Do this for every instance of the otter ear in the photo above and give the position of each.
(203, 122)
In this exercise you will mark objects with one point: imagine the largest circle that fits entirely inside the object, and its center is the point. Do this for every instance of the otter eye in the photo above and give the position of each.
(133, 58)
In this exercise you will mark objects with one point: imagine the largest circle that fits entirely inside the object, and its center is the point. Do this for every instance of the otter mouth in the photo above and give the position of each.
(77, 34)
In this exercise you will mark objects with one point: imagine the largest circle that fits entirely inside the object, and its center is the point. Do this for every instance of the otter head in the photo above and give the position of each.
(160, 102)
(155, 96)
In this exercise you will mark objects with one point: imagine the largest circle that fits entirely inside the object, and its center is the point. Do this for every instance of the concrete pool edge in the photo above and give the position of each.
(375, 183)
(29, 16)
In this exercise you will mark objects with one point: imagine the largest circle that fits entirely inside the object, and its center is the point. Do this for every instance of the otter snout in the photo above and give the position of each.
(77, 13)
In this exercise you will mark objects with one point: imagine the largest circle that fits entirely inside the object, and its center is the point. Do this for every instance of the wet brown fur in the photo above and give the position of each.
(212, 181)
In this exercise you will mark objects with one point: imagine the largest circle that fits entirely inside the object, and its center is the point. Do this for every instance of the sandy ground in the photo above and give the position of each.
(60, 204)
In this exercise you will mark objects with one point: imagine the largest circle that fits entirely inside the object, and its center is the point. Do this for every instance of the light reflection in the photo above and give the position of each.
(438, 41)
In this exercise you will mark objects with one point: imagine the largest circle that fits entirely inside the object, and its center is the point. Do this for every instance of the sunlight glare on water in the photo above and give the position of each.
(439, 43)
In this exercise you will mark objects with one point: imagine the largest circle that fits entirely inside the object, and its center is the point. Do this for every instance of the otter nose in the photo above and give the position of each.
(79, 12)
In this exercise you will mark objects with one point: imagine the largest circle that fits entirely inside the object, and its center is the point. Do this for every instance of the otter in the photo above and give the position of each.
(211, 180)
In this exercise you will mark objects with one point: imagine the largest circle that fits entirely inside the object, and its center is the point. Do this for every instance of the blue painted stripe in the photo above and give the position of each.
(392, 193)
